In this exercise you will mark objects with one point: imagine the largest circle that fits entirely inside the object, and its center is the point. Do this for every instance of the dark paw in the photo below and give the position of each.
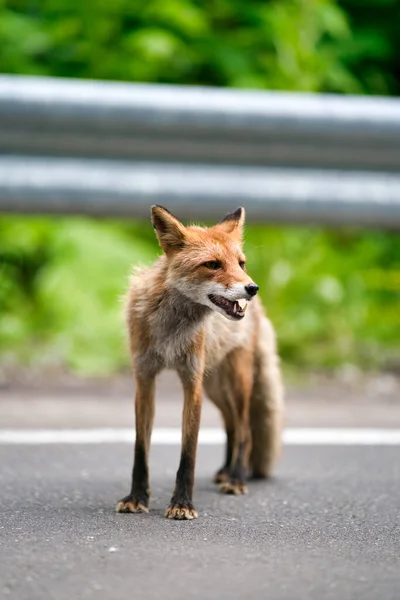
(181, 512)
(132, 504)
(233, 487)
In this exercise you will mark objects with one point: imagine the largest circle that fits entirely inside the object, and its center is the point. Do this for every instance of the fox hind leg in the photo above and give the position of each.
(230, 389)
(222, 475)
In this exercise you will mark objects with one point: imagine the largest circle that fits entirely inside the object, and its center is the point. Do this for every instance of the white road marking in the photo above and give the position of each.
(208, 436)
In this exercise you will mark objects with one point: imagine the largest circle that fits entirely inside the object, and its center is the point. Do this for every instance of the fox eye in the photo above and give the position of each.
(214, 265)
(242, 264)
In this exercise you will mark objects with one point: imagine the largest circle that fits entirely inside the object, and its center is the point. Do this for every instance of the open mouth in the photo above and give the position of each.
(233, 308)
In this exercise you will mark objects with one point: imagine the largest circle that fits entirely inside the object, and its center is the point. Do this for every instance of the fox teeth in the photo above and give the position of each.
(234, 308)
(243, 304)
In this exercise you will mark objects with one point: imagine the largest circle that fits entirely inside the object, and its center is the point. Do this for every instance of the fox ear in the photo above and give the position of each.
(233, 223)
(170, 232)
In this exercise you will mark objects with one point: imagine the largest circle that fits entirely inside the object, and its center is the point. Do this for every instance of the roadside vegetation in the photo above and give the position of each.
(334, 296)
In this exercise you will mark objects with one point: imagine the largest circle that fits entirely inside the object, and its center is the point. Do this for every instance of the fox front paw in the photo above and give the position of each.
(181, 512)
(235, 488)
(130, 504)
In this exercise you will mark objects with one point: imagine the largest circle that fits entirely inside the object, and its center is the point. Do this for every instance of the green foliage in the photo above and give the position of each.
(333, 296)
(372, 52)
(60, 289)
(279, 44)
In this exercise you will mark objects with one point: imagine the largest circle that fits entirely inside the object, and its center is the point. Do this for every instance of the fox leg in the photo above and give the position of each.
(137, 500)
(181, 505)
(239, 371)
(222, 474)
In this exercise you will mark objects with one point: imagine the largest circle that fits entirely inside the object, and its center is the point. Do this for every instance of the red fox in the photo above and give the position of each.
(196, 311)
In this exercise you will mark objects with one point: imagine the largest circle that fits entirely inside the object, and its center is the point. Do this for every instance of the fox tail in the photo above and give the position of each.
(266, 405)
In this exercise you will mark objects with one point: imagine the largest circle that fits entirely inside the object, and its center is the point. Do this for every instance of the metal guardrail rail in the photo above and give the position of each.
(72, 146)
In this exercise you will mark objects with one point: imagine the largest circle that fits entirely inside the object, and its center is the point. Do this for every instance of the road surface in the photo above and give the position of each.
(326, 527)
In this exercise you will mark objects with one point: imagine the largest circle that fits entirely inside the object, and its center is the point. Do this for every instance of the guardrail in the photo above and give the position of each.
(72, 146)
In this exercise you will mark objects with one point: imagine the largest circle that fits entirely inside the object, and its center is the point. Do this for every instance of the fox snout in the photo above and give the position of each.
(251, 289)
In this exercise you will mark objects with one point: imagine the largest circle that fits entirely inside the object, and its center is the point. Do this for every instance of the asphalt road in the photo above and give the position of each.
(327, 527)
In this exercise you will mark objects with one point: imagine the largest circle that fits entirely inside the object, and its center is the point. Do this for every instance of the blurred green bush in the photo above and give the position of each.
(312, 45)
(334, 296)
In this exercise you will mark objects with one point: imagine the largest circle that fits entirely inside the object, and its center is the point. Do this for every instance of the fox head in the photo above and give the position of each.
(207, 264)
